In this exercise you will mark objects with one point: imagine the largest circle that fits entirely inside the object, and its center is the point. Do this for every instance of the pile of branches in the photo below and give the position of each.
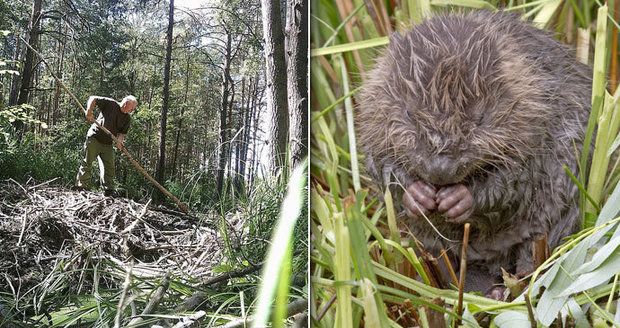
(42, 226)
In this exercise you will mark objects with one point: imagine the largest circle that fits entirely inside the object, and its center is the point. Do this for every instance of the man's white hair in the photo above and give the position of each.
(129, 98)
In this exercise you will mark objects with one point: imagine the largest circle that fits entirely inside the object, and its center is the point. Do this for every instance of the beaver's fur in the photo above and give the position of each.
(488, 101)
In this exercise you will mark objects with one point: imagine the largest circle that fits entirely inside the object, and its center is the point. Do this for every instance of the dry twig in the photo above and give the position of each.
(463, 271)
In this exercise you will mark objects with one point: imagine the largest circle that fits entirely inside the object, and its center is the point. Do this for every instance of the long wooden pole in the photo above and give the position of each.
(183, 207)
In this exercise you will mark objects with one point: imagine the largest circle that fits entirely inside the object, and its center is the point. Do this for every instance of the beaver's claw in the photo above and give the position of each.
(455, 202)
(419, 198)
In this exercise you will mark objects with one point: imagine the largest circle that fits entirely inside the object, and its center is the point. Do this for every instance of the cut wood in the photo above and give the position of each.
(64, 225)
(158, 294)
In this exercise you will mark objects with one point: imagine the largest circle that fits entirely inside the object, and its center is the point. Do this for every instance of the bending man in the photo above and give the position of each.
(115, 117)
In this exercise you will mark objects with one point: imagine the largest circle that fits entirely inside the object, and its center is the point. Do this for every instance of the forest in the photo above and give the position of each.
(220, 125)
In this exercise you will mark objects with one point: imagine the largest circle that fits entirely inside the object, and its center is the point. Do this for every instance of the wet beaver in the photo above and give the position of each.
(475, 114)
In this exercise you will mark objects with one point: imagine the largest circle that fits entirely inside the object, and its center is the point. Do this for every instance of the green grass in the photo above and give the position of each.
(363, 269)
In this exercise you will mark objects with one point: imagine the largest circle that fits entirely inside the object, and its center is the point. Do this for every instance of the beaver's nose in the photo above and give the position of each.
(442, 170)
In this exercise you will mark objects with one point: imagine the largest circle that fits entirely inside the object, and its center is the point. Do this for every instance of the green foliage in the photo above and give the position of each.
(57, 156)
(13, 14)
(260, 211)
(586, 264)
(19, 113)
(4, 63)
(10, 116)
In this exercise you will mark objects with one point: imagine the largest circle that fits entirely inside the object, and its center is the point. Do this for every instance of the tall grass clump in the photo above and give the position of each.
(364, 273)
(276, 276)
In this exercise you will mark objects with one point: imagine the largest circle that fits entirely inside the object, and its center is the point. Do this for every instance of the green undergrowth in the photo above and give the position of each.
(57, 153)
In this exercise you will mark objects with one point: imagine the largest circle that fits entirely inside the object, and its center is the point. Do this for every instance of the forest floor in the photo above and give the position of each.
(44, 227)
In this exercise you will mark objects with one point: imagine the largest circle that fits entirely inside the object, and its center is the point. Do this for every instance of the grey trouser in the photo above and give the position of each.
(93, 149)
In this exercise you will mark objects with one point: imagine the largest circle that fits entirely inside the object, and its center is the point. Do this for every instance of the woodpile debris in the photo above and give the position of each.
(42, 225)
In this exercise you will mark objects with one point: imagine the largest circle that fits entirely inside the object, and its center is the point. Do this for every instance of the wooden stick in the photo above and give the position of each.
(463, 270)
(121, 303)
(540, 250)
(183, 207)
(429, 270)
(154, 300)
(434, 266)
(446, 260)
(23, 230)
(326, 307)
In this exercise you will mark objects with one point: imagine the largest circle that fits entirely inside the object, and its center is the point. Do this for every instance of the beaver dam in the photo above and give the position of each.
(80, 256)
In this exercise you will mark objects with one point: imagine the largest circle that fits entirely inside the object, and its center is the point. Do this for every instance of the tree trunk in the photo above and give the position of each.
(247, 126)
(133, 74)
(147, 154)
(256, 147)
(160, 172)
(149, 125)
(33, 40)
(59, 72)
(229, 129)
(241, 137)
(276, 84)
(15, 79)
(180, 118)
(297, 75)
(223, 149)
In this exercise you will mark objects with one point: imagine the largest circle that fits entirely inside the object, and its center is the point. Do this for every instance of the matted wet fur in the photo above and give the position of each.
(489, 102)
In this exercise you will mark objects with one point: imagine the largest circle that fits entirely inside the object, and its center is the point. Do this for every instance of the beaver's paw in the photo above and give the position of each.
(419, 198)
(455, 202)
